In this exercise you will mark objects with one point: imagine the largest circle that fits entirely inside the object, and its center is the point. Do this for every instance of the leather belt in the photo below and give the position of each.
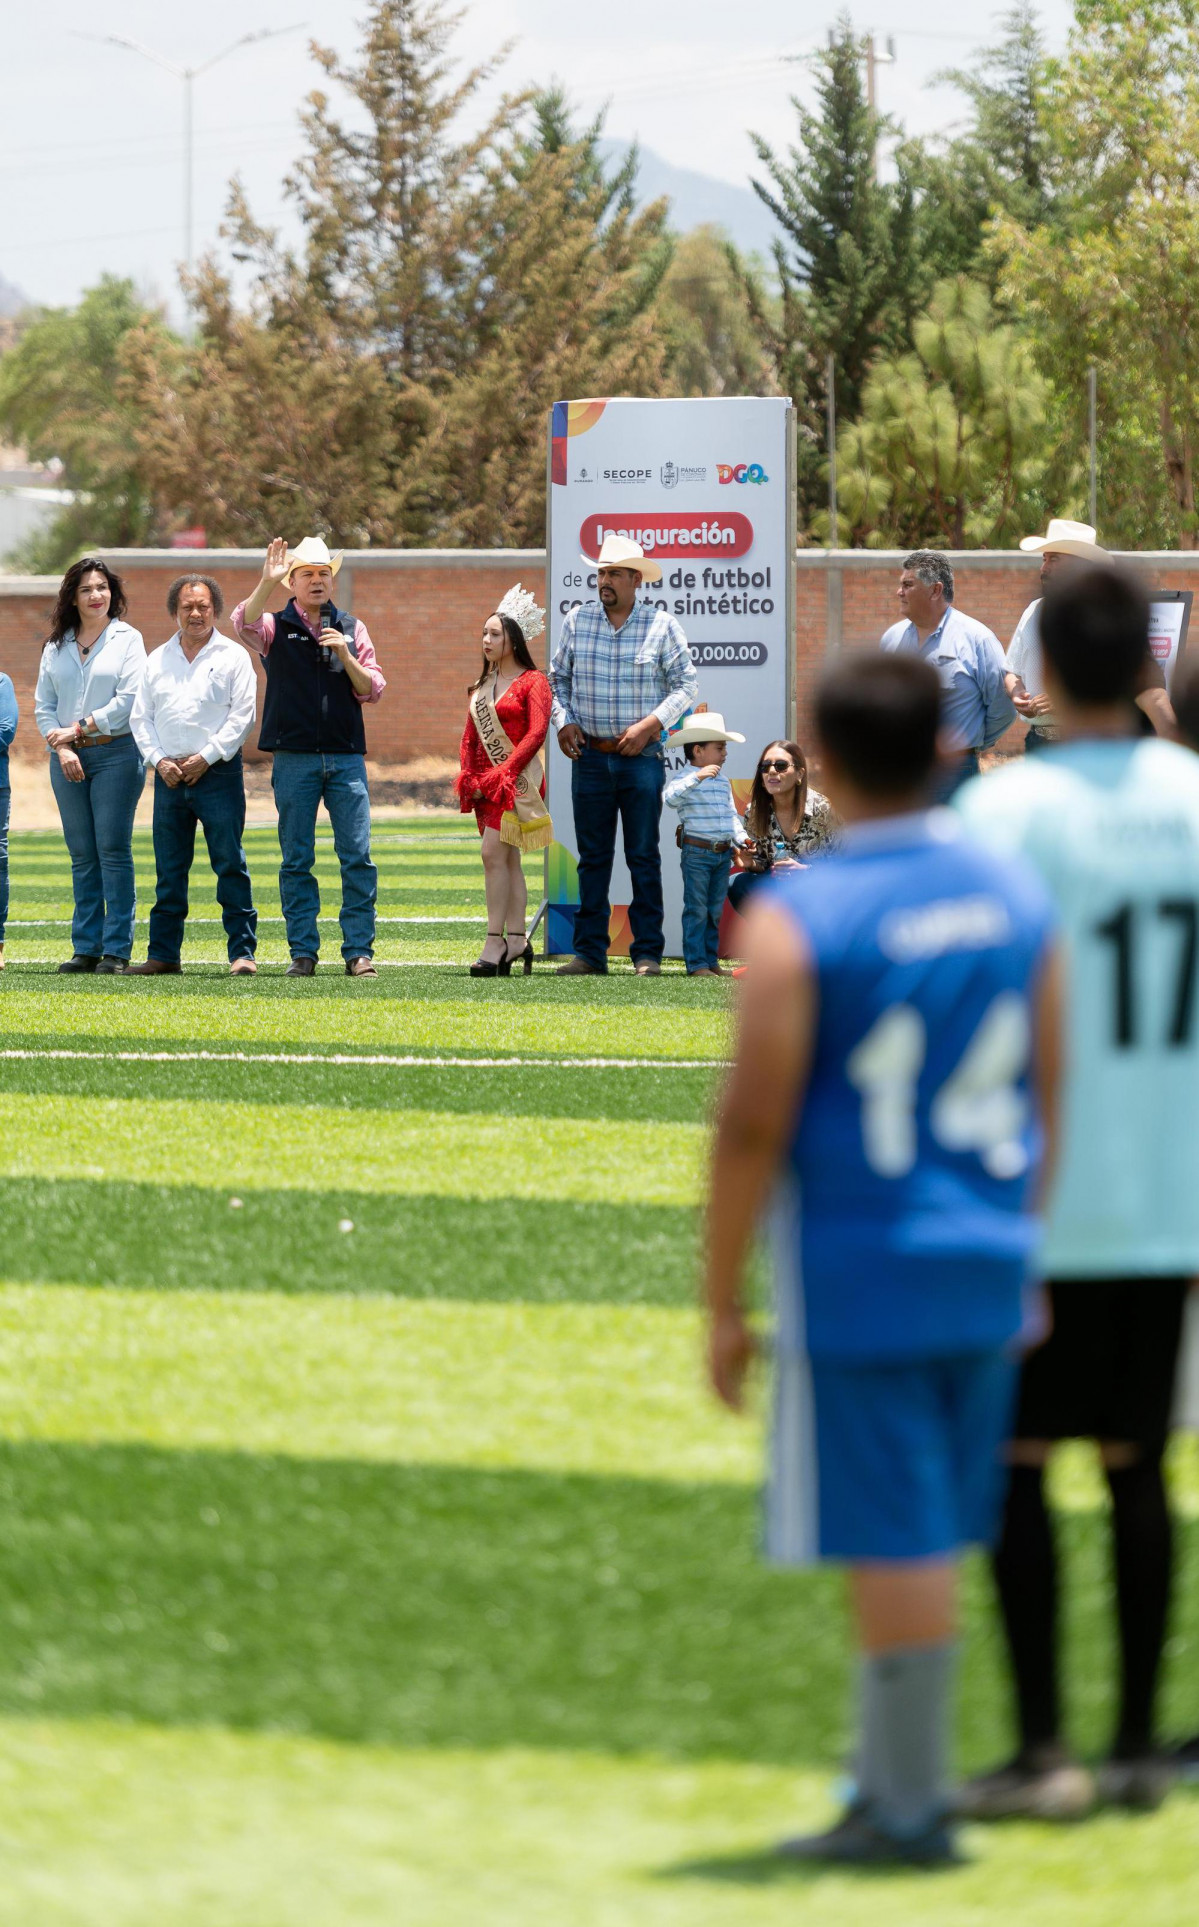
(93, 742)
(706, 843)
(607, 745)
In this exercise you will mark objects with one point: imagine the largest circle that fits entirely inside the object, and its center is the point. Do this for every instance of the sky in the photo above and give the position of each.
(91, 150)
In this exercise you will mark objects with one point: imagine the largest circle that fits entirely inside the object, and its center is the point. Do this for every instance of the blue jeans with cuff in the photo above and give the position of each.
(97, 822)
(5, 801)
(302, 780)
(705, 887)
(605, 789)
(217, 802)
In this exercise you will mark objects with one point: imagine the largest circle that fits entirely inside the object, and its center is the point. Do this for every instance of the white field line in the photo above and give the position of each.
(64, 923)
(345, 1058)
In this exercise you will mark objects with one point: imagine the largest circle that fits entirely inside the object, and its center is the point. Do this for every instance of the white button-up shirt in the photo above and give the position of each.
(205, 707)
(103, 687)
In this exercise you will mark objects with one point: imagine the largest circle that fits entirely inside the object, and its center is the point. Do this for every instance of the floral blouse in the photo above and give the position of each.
(817, 831)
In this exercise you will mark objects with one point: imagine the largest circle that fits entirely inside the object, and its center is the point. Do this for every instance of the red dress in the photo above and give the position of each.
(524, 710)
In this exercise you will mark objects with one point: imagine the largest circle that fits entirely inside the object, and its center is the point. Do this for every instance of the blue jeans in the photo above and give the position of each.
(705, 886)
(97, 822)
(603, 788)
(301, 779)
(5, 800)
(218, 802)
(960, 772)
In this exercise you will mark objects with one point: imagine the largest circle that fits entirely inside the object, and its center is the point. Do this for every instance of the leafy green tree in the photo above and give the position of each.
(1113, 282)
(389, 379)
(950, 447)
(843, 260)
(63, 397)
(715, 348)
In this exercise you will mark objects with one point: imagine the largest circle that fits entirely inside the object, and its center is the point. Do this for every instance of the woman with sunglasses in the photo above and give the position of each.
(788, 822)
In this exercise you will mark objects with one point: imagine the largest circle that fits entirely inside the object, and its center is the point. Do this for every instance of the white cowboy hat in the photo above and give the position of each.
(312, 553)
(705, 726)
(1063, 537)
(619, 553)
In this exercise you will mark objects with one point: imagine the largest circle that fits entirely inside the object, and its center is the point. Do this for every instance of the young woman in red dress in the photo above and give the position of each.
(506, 725)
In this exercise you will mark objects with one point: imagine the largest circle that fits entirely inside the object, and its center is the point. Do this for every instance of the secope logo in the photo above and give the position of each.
(741, 472)
(672, 533)
(636, 475)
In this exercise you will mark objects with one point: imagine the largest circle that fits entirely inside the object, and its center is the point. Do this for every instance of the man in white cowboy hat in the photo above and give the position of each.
(320, 670)
(622, 673)
(1064, 544)
(708, 833)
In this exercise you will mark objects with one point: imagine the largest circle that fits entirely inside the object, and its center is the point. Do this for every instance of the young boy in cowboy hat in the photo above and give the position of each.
(709, 831)
(320, 670)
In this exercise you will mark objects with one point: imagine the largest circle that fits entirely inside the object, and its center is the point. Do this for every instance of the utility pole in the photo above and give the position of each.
(1092, 438)
(830, 380)
(873, 59)
(188, 75)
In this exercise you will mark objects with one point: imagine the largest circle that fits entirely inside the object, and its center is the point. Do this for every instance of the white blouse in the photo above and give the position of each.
(103, 687)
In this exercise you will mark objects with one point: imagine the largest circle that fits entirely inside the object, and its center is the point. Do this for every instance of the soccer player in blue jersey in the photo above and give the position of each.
(1111, 821)
(896, 995)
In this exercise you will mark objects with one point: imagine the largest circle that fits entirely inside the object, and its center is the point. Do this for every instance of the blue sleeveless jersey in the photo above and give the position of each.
(916, 1150)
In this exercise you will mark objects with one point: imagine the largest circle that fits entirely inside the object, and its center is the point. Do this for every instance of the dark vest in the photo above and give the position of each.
(309, 703)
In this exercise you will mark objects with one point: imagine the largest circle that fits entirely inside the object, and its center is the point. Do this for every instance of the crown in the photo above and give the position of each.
(524, 609)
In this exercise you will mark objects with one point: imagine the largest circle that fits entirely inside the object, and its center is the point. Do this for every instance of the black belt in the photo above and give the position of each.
(706, 843)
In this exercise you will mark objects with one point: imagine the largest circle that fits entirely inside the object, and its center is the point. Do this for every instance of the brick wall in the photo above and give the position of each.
(425, 610)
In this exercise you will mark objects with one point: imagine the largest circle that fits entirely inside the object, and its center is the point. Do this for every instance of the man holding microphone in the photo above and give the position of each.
(320, 670)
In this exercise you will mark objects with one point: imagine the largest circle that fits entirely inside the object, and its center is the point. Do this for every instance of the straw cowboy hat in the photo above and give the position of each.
(619, 553)
(311, 554)
(705, 726)
(1063, 537)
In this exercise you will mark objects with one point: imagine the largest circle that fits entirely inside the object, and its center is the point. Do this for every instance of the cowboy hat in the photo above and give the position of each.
(705, 726)
(1063, 537)
(312, 553)
(619, 553)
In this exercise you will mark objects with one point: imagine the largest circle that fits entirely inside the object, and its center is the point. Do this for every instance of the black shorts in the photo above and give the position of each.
(1108, 1368)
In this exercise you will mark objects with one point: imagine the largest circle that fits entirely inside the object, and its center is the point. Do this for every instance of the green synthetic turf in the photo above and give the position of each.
(405, 1573)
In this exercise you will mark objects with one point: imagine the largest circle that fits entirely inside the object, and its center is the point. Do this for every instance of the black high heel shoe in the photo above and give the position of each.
(485, 969)
(524, 957)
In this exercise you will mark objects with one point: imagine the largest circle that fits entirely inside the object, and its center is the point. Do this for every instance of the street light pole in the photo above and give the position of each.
(188, 76)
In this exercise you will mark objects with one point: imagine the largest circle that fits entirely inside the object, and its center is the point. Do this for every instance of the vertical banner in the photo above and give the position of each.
(708, 489)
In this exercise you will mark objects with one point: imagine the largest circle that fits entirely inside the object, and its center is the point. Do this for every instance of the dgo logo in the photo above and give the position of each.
(741, 472)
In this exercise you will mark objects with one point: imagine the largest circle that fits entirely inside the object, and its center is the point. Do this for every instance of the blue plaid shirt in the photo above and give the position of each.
(706, 806)
(605, 679)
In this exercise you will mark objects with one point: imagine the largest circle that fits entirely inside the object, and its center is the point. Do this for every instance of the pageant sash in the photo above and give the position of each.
(528, 826)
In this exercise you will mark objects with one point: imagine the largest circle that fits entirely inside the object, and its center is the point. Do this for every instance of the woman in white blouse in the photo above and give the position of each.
(90, 671)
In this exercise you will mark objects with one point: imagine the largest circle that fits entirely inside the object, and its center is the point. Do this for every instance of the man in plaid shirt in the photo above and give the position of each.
(621, 674)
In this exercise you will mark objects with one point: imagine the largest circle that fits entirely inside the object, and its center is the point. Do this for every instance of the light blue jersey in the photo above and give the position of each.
(1113, 829)
(918, 1142)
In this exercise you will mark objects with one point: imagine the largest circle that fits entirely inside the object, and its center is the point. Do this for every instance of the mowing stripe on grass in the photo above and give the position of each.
(610, 1389)
(411, 1152)
(341, 1057)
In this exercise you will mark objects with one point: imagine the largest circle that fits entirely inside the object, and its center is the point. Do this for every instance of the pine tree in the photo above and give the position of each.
(840, 290)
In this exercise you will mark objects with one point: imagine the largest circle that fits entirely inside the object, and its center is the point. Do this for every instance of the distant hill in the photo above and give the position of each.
(699, 198)
(11, 299)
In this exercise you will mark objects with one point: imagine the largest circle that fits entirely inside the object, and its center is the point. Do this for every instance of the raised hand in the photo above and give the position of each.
(275, 567)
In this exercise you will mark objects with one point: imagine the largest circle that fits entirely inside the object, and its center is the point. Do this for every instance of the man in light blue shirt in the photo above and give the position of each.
(968, 658)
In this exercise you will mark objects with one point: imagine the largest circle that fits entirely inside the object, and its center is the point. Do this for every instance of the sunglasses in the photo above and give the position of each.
(778, 763)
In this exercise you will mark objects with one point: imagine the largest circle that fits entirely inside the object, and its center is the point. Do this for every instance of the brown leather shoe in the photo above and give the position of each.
(579, 967)
(154, 967)
(703, 973)
(360, 967)
(648, 968)
(243, 967)
(301, 967)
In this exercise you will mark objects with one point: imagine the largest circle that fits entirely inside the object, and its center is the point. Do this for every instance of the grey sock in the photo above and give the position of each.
(903, 1760)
